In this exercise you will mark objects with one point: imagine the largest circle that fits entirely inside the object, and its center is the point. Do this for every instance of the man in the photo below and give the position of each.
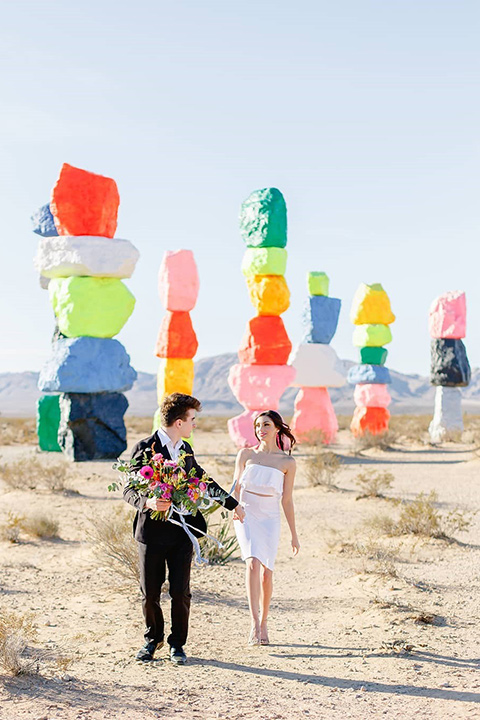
(163, 543)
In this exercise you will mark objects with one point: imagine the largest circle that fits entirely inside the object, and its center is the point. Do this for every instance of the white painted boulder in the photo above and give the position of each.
(317, 366)
(447, 423)
(67, 256)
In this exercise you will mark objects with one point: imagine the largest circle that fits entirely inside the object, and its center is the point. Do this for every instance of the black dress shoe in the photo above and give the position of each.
(146, 653)
(177, 656)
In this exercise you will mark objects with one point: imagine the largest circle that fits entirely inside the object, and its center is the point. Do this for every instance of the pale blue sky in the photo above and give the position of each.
(366, 114)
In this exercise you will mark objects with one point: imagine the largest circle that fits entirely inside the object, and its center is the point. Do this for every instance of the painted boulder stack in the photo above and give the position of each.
(372, 316)
(84, 265)
(317, 365)
(449, 369)
(262, 374)
(178, 285)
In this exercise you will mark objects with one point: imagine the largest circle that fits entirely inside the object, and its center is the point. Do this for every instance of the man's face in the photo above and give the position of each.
(188, 425)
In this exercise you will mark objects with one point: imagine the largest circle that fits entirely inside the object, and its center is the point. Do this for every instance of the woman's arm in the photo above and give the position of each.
(240, 461)
(287, 503)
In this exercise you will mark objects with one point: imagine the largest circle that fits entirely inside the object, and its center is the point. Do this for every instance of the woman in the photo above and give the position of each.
(264, 476)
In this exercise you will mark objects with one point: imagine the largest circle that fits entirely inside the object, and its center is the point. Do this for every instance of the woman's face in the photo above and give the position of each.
(265, 428)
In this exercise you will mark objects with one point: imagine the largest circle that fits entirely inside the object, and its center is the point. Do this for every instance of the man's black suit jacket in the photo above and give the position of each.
(158, 532)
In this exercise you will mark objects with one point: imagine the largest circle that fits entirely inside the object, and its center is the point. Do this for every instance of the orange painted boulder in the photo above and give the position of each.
(176, 337)
(269, 294)
(83, 203)
(313, 414)
(265, 342)
(373, 420)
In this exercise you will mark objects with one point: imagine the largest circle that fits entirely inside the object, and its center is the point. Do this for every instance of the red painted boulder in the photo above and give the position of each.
(176, 337)
(373, 420)
(265, 342)
(313, 414)
(83, 203)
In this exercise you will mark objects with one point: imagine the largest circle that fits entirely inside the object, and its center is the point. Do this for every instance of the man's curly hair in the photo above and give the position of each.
(175, 407)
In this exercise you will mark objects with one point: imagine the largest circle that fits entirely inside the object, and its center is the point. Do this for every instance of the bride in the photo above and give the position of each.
(264, 478)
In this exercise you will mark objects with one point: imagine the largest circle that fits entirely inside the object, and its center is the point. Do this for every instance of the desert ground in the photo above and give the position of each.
(372, 619)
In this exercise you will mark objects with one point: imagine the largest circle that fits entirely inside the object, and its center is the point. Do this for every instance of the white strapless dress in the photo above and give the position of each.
(259, 533)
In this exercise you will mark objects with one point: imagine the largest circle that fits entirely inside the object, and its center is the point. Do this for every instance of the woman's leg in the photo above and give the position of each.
(266, 589)
(252, 582)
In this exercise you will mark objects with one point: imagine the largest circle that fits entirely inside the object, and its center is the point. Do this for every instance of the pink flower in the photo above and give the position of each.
(157, 457)
(146, 472)
(170, 463)
(154, 484)
(202, 486)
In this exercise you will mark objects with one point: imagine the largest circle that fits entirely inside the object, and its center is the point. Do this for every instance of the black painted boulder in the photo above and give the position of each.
(449, 363)
(92, 426)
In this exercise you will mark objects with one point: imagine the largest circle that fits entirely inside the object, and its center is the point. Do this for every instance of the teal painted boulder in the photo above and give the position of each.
(48, 420)
(263, 219)
(373, 355)
(92, 306)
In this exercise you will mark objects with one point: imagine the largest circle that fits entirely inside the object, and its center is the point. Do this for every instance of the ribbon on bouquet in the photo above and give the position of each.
(181, 512)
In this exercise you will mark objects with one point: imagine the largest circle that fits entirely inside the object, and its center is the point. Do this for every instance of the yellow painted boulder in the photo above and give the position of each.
(269, 294)
(174, 375)
(371, 305)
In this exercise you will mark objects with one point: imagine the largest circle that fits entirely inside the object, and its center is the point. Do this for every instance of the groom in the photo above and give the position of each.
(163, 544)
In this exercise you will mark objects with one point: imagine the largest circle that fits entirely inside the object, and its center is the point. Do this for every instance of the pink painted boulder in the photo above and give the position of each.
(178, 281)
(241, 430)
(448, 316)
(314, 414)
(260, 387)
(369, 395)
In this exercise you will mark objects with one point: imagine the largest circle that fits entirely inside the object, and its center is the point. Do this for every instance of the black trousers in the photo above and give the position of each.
(153, 563)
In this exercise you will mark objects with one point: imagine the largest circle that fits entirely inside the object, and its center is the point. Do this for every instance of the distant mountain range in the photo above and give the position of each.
(410, 393)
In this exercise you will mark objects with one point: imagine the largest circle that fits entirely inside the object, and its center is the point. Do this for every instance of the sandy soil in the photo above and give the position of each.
(347, 639)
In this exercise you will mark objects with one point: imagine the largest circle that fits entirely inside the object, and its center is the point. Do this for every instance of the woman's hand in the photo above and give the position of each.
(239, 513)
(295, 545)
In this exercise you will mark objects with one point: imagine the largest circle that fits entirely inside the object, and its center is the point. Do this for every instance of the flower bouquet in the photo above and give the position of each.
(166, 480)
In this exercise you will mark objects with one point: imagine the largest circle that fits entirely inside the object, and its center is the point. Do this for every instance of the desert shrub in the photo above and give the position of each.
(40, 526)
(16, 631)
(212, 423)
(113, 543)
(372, 483)
(421, 517)
(32, 473)
(381, 561)
(382, 442)
(10, 527)
(321, 468)
(18, 431)
(219, 526)
(313, 438)
(138, 425)
(411, 427)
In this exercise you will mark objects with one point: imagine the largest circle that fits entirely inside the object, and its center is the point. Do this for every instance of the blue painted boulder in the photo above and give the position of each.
(43, 223)
(320, 319)
(87, 365)
(372, 374)
(92, 426)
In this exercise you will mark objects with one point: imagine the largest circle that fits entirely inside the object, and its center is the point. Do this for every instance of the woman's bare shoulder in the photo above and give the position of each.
(290, 462)
(244, 454)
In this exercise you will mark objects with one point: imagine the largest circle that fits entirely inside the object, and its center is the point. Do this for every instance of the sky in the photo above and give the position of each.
(364, 113)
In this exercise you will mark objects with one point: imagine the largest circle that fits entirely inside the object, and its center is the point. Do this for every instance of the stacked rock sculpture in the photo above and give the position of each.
(317, 365)
(83, 266)
(178, 285)
(262, 374)
(372, 315)
(450, 368)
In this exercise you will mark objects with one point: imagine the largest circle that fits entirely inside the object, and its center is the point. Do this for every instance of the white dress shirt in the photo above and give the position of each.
(174, 450)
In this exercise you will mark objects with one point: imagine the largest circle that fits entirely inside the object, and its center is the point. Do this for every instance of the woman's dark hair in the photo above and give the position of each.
(282, 427)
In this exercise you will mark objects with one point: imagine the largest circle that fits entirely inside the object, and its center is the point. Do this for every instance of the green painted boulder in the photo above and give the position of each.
(373, 355)
(318, 283)
(264, 261)
(48, 420)
(371, 335)
(263, 219)
(90, 306)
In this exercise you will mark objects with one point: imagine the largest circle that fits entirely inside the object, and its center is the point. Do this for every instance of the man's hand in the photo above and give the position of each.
(239, 513)
(156, 504)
